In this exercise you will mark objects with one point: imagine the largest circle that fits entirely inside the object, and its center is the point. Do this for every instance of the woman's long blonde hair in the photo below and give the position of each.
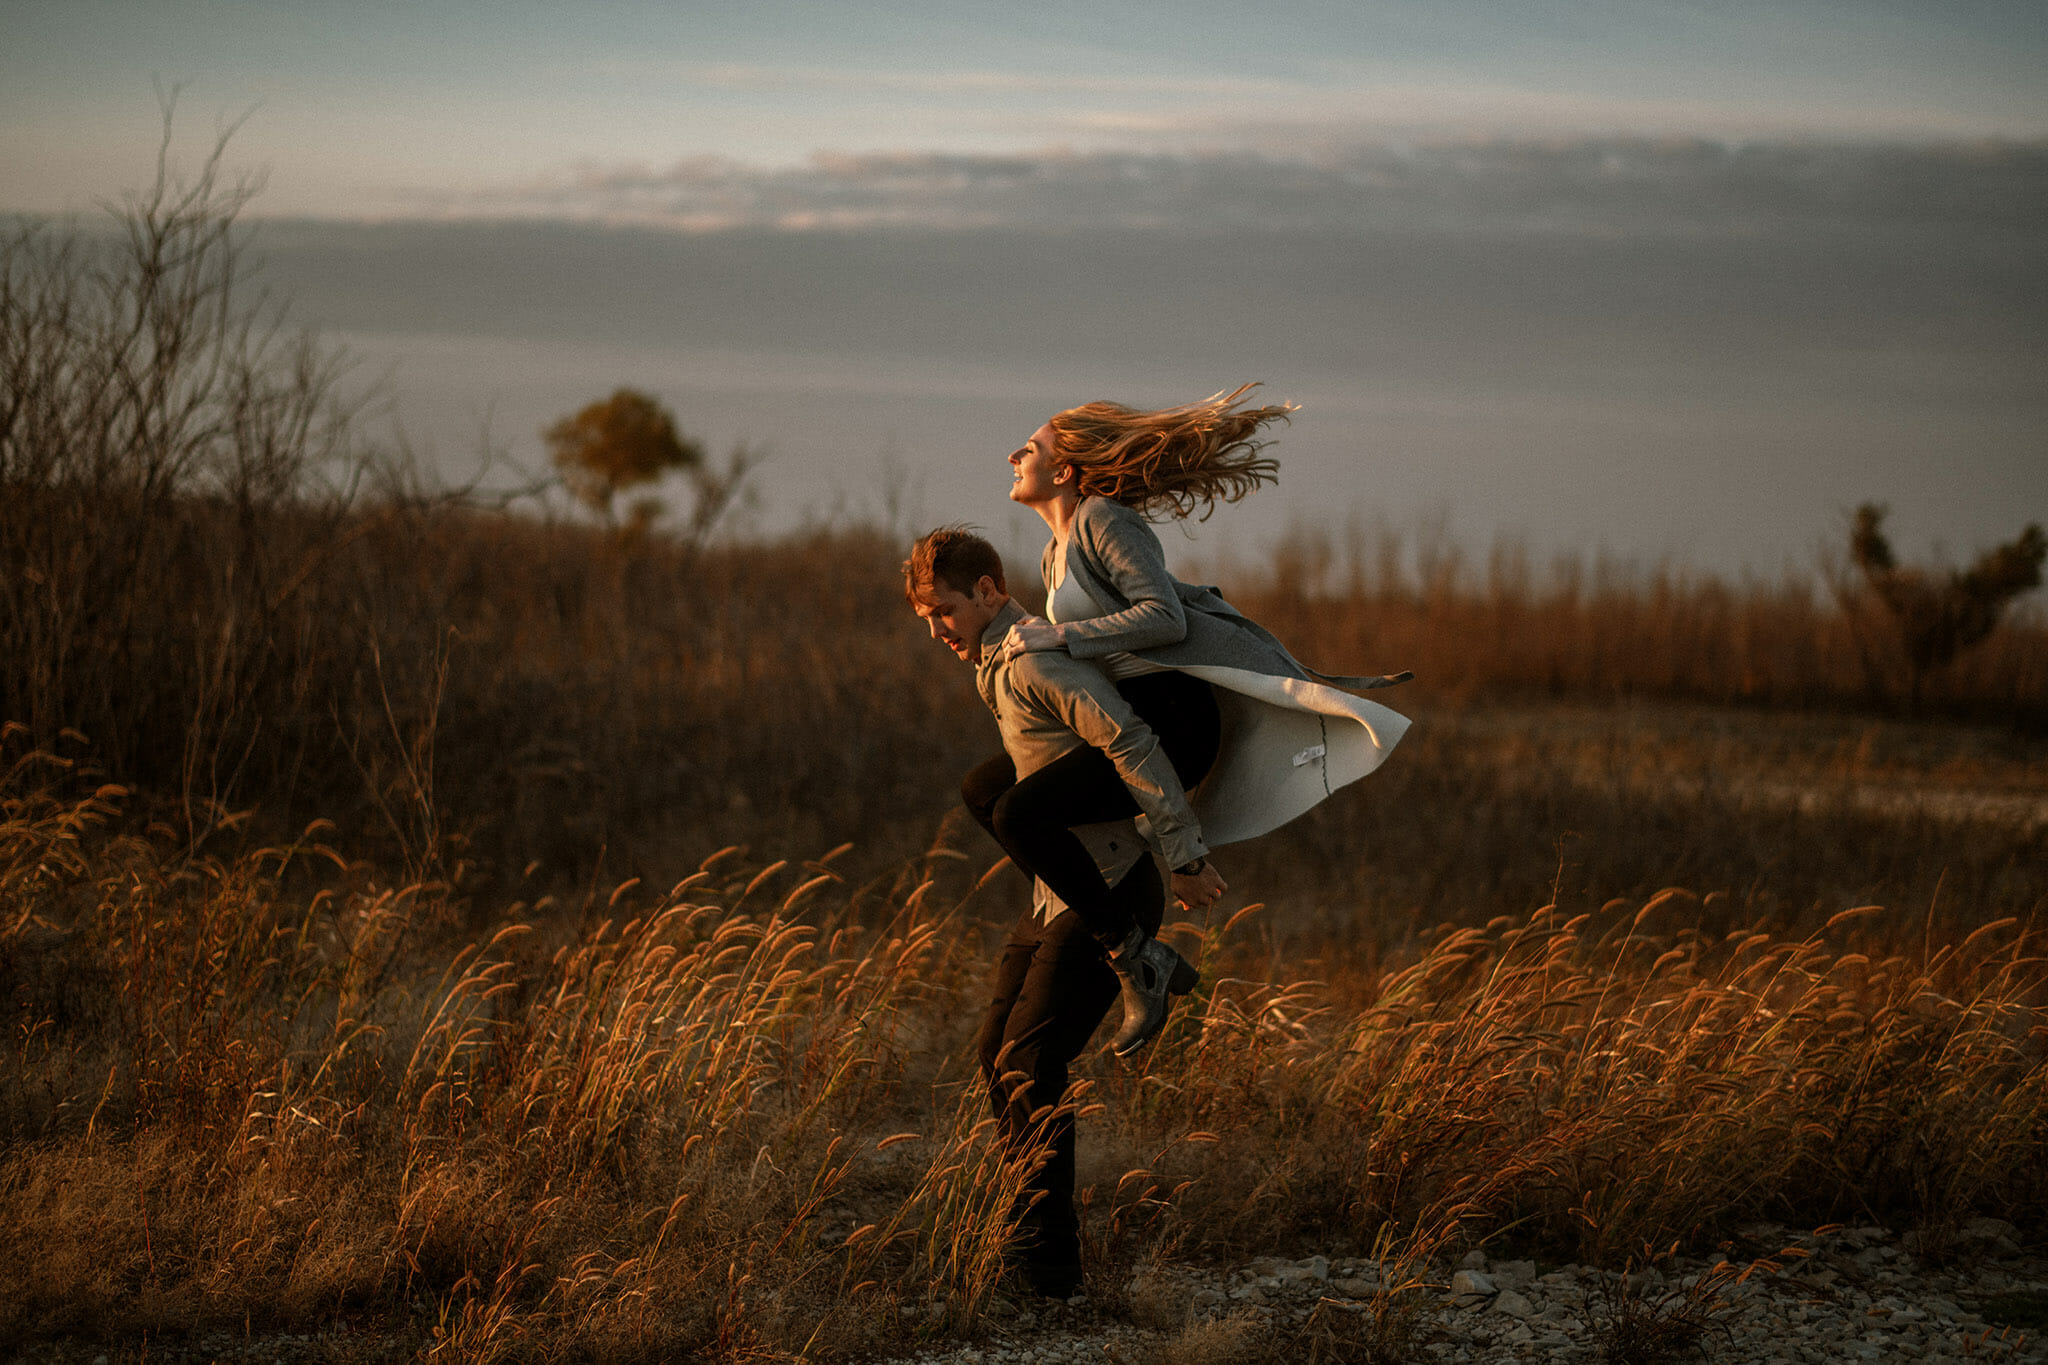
(1172, 460)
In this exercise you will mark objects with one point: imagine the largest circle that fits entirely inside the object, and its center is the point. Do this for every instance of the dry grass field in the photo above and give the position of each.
(732, 1119)
(468, 934)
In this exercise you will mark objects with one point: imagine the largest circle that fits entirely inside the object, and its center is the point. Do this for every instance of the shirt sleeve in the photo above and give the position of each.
(1125, 554)
(1085, 702)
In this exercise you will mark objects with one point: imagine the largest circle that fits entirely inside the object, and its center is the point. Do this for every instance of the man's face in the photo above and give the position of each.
(956, 618)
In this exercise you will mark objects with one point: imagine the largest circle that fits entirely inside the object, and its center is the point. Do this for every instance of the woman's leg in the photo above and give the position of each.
(981, 788)
(1182, 711)
(1033, 820)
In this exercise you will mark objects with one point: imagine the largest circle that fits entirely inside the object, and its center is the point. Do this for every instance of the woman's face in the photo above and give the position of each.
(1035, 470)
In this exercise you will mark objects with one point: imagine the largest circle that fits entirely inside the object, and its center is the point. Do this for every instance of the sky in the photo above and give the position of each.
(1669, 281)
(392, 107)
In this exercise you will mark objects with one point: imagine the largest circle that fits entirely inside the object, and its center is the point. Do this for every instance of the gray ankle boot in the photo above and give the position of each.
(1150, 971)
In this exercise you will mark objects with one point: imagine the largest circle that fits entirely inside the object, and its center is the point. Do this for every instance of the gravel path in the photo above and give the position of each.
(1860, 1294)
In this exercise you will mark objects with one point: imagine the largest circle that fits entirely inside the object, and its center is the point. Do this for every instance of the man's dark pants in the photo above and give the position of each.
(1054, 983)
(1052, 988)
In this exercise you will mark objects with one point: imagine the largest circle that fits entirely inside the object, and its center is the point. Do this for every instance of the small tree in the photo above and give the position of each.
(621, 442)
(1939, 614)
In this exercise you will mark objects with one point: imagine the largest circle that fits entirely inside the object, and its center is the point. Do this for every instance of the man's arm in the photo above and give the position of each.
(1080, 697)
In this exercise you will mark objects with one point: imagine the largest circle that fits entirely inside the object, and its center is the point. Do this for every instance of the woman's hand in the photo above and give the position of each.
(1030, 635)
(1202, 890)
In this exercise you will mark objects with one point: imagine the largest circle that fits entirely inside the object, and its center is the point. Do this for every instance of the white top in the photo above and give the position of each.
(1070, 600)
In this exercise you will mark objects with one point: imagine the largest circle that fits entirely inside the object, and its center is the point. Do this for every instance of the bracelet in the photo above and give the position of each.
(1193, 869)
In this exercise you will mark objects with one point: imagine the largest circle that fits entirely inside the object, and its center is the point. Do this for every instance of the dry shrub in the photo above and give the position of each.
(1237, 1339)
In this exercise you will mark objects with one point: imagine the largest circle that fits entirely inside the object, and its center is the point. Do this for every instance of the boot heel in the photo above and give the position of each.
(1185, 978)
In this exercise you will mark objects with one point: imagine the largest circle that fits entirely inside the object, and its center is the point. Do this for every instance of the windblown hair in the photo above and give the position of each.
(951, 557)
(1173, 460)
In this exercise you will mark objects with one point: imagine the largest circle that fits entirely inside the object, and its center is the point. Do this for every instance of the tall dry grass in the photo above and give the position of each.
(730, 1121)
(273, 1091)
(1380, 597)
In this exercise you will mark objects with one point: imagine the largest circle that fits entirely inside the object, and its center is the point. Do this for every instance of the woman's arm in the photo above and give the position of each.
(1123, 551)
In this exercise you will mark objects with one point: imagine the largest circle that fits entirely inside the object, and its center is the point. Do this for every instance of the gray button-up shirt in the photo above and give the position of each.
(1048, 704)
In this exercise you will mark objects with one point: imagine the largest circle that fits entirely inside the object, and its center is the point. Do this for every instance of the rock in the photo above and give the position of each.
(1905, 1313)
(1513, 1274)
(1473, 1260)
(1513, 1304)
(1989, 1234)
(1471, 1282)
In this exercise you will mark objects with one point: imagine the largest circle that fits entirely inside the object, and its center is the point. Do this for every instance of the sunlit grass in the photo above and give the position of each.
(732, 1120)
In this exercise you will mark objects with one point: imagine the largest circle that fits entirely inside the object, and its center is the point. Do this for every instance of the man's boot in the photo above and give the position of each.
(1150, 972)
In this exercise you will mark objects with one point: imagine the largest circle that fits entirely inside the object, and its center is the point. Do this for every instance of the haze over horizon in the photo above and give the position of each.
(1663, 281)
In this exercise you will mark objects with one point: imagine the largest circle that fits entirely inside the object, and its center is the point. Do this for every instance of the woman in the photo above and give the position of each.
(1256, 737)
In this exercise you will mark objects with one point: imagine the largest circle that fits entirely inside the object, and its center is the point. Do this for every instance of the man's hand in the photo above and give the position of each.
(1031, 635)
(1200, 891)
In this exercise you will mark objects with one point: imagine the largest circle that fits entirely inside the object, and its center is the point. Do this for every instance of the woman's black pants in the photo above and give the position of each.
(1033, 819)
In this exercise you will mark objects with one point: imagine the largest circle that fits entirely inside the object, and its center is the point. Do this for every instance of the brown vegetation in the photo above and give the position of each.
(1936, 616)
(1590, 628)
(629, 440)
(731, 1121)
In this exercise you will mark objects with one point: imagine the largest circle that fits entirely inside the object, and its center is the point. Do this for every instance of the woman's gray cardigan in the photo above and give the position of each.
(1291, 736)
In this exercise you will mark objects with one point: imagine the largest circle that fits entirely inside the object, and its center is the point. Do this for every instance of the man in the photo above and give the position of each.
(1081, 758)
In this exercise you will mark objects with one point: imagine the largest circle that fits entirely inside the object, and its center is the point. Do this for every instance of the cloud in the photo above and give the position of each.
(737, 76)
(1608, 186)
(1375, 97)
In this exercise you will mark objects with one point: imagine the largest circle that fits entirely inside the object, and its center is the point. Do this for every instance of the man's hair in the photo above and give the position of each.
(952, 557)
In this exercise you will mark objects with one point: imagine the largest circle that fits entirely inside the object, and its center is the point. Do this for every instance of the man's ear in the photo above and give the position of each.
(985, 588)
